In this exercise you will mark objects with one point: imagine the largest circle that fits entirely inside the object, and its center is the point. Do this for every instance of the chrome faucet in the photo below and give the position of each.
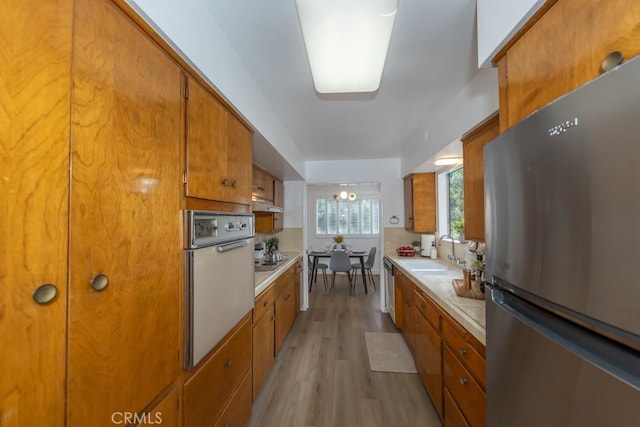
(452, 257)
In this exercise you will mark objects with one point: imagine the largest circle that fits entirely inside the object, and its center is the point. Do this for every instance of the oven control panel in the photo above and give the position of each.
(204, 228)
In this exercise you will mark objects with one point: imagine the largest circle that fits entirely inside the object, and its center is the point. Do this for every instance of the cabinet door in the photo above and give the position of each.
(429, 360)
(285, 314)
(262, 187)
(424, 202)
(465, 390)
(35, 62)
(166, 413)
(563, 50)
(472, 146)
(240, 156)
(263, 348)
(127, 131)
(207, 137)
(408, 203)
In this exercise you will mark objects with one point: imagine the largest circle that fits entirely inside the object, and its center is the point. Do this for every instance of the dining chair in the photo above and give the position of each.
(368, 265)
(340, 263)
(313, 274)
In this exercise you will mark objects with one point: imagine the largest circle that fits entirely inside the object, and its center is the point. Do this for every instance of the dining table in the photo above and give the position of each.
(327, 254)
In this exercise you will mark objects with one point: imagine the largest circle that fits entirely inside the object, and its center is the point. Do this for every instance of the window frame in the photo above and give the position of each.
(375, 217)
(443, 205)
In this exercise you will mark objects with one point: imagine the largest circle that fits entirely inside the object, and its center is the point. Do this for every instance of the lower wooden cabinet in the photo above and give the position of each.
(275, 311)
(428, 354)
(449, 360)
(263, 347)
(214, 385)
(166, 412)
(238, 412)
(464, 389)
(454, 415)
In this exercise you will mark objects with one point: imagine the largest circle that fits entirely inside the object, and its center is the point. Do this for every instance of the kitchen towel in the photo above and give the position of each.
(389, 353)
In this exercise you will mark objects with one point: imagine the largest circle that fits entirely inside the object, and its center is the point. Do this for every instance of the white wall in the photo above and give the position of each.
(190, 29)
(293, 204)
(386, 172)
(473, 103)
(498, 21)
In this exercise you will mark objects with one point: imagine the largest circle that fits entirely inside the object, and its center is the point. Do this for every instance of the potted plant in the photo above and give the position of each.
(272, 243)
(417, 244)
(338, 239)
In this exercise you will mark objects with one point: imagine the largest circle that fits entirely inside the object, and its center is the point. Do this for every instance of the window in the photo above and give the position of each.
(348, 217)
(451, 206)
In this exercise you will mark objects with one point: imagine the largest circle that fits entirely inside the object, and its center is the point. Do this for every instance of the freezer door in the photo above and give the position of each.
(563, 204)
(543, 371)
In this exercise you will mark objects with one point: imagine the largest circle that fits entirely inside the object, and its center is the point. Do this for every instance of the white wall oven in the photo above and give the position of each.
(219, 280)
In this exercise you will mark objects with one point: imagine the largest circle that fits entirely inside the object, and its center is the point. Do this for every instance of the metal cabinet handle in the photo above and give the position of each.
(463, 381)
(463, 352)
(273, 318)
(225, 182)
(45, 294)
(234, 184)
(264, 304)
(228, 362)
(100, 282)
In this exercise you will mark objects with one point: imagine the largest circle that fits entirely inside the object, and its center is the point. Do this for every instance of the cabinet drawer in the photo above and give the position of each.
(238, 412)
(452, 415)
(428, 310)
(283, 281)
(207, 392)
(264, 302)
(465, 350)
(464, 389)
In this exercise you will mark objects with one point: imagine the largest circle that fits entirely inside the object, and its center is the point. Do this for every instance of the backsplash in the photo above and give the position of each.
(290, 239)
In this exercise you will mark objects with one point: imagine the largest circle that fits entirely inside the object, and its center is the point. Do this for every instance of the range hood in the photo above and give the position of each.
(259, 205)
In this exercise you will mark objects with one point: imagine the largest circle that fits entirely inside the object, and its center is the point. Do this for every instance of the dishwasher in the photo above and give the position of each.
(219, 278)
(389, 291)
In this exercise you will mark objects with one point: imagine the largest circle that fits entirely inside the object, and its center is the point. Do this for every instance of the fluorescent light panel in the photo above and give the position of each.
(447, 161)
(347, 42)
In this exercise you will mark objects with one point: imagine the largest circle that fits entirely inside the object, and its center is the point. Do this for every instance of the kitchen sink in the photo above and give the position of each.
(426, 267)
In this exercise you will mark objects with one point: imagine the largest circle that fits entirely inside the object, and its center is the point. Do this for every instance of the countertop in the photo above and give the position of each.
(468, 312)
(265, 278)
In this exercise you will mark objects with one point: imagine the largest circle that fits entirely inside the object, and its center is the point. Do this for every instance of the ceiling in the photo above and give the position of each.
(431, 56)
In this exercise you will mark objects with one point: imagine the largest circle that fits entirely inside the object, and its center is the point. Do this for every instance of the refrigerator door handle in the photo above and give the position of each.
(612, 357)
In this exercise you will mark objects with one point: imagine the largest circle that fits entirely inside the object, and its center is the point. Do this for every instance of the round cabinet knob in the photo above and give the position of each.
(100, 283)
(463, 380)
(462, 351)
(228, 362)
(611, 61)
(45, 294)
(234, 184)
(225, 182)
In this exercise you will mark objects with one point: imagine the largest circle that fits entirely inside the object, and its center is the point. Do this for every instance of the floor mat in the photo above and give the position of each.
(389, 353)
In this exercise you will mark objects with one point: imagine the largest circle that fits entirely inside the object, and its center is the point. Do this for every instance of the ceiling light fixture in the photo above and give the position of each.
(447, 161)
(347, 42)
(343, 195)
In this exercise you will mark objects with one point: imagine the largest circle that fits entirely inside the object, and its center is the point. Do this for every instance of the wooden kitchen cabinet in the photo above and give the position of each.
(404, 297)
(219, 150)
(473, 143)
(238, 411)
(562, 50)
(262, 186)
(125, 229)
(217, 381)
(35, 98)
(168, 412)
(464, 372)
(428, 353)
(420, 202)
(270, 222)
(263, 338)
(286, 312)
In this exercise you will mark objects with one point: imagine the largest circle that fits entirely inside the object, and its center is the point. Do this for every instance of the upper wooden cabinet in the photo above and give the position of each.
(262, 186)
(473, 143)
(560, 49)
(219, 150)
(420, 202)
(125, 228)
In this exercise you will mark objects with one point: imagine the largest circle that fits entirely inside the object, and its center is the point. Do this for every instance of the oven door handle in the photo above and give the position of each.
(230, 246)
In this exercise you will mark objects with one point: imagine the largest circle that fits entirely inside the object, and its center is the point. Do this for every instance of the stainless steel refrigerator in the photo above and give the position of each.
(562, 213)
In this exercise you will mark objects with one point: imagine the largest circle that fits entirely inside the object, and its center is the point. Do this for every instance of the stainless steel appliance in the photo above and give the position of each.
(563, 225)
(389, 291)
(219, 285)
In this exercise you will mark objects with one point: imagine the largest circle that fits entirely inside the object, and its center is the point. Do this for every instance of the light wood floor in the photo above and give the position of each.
(321, 376)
